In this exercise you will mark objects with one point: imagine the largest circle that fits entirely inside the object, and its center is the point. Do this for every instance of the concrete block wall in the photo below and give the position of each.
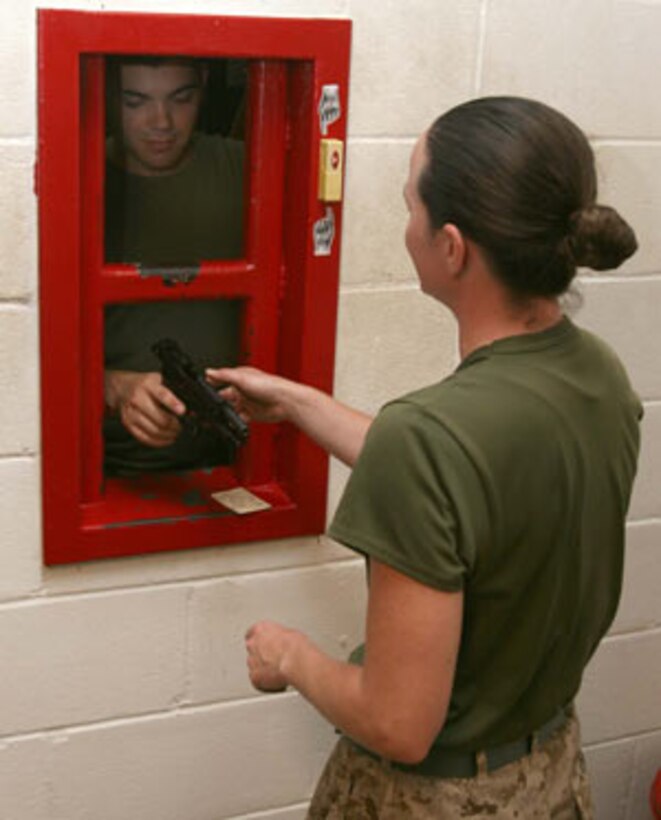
(123, 693)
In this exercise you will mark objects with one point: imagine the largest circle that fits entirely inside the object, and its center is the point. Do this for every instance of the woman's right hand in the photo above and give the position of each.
(259, 396)
(147, 409)
(255, 395)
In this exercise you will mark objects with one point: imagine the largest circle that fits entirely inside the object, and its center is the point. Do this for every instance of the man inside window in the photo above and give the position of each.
(174, 197)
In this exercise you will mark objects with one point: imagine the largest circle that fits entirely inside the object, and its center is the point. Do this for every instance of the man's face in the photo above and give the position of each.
(159, 106)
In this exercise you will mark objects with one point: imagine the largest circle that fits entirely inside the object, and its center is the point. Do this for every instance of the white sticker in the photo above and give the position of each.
(324, 233)
(329, 107)
(240, 501)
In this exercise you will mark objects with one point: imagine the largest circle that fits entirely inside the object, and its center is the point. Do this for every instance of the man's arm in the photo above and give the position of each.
(397, 702)
(260, 396)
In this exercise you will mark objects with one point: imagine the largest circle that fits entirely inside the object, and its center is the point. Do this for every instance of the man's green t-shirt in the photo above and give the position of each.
(163, 222)
(509, 480)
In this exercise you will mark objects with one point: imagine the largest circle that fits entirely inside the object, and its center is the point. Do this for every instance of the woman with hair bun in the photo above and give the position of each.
(490, 506)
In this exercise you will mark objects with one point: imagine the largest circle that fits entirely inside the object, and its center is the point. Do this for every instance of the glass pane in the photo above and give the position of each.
(140, 433)
(175, 160)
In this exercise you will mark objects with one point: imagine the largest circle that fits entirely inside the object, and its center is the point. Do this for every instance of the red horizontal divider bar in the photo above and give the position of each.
(124, 283)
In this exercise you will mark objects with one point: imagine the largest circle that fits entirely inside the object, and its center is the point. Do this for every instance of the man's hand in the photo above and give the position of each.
(146, 407)
(267, 645)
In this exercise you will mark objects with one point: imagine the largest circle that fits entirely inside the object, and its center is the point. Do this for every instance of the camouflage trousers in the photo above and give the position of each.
(550, 782)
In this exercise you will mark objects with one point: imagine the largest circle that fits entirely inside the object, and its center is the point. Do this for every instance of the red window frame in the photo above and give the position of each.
(290, 293)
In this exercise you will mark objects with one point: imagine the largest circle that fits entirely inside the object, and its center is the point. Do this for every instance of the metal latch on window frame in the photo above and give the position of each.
(171, 276)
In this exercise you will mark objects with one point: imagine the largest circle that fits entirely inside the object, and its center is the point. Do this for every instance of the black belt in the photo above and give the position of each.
(445, 763)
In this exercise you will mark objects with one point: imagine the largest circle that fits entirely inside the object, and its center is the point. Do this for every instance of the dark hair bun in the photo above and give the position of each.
(600, 239)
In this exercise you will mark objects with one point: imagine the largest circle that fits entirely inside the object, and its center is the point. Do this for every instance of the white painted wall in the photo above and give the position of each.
(122, 692)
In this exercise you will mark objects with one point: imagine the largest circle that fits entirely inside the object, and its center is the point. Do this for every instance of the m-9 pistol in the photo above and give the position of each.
(205, 409)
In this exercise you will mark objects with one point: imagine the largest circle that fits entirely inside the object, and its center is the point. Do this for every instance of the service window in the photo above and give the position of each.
(190, 183)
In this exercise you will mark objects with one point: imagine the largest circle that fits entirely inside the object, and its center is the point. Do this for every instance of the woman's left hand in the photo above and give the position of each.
(267, 643)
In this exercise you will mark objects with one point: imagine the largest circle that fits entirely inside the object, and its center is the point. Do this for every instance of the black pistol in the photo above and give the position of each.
(204, 407)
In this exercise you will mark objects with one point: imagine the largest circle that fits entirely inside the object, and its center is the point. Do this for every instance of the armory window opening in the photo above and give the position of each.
(173, 145)
(175, 159)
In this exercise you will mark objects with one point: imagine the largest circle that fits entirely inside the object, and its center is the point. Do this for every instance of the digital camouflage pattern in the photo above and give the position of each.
(551, 782)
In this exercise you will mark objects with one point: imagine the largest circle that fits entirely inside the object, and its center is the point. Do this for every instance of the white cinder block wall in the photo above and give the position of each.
(122, 691)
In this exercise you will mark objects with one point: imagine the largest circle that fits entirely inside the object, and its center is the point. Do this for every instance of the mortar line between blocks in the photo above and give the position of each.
(44, 595)
(625, 142)
(379, 287)
(631, 782)
(653, 631)
(264, 814)
(341, 562)
(17, 302)
(382, 139)
(619, 279)
(481, 45)
(18, 141)
(28, 455)
(644, 522)
(181, 710)
(632, 738)
(187, 683)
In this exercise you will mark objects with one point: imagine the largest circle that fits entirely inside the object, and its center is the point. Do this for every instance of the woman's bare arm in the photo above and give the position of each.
(396, 703)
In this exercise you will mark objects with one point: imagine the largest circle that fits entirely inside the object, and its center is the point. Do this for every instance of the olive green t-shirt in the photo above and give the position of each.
(172, 221)
(509, 480)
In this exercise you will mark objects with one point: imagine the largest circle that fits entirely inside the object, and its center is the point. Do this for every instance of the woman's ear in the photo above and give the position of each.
(455, 248)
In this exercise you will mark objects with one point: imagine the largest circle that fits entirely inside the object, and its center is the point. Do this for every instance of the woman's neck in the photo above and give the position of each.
(487, 323)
